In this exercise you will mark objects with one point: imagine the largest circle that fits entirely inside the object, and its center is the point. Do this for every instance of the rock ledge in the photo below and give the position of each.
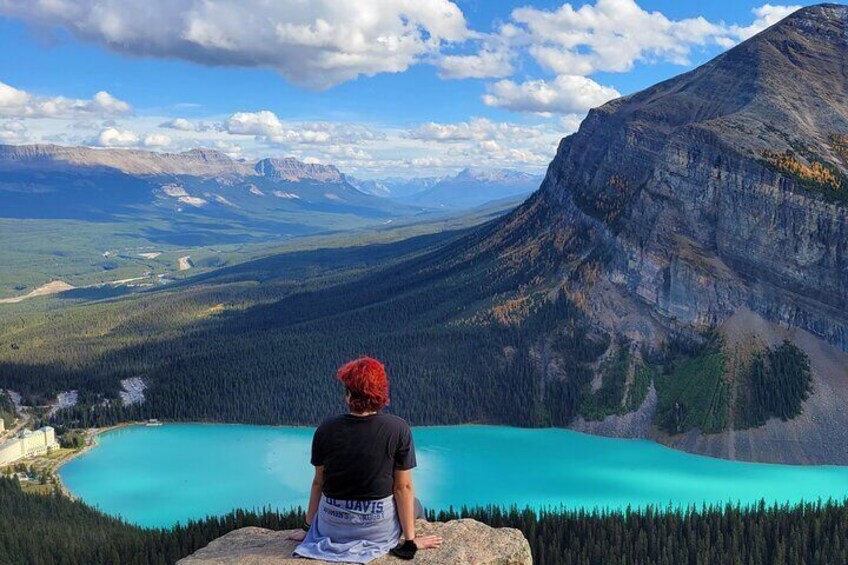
(467, 542)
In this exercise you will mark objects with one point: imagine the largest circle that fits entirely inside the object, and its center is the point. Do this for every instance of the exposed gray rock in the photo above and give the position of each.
(292, 170)
(633, 425)
(698, 226)
(665, 218)
(466, 542)
(818, 436)
(132, 391)
(199, 162)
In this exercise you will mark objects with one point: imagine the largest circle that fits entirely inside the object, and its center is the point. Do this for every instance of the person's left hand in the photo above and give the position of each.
(428, 542)
(297, 535)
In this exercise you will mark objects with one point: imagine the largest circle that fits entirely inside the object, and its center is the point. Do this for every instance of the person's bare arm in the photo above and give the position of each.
(314, 499)
(315, 494)
(404, 492)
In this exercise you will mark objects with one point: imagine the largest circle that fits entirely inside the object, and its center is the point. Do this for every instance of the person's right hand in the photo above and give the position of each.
(428, 542)
(297, 535)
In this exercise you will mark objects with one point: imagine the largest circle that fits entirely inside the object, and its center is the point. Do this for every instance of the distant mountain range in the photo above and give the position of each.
(469, 188)
(80, 182)
(395, 187)
(283, 196)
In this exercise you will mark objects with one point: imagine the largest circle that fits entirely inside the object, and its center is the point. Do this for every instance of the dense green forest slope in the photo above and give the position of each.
(225, 348)
(464, 335)
(44, 530)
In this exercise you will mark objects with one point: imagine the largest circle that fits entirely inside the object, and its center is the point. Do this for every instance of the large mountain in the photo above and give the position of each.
(723, 188)
(717, 200)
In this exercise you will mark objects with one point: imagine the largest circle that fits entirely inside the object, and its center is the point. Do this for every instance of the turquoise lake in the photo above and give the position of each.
(156, 476)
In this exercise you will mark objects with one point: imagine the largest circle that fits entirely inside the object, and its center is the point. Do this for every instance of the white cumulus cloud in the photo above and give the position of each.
(184, 125)
(114, 137)
(486, 64)
(614, 35)
(567, 94)
(264, 124)
(766, 16)
(11, 97)
(181, 124)
(156, 140)
(317, 43)
(610, 35)
(17, 103)
(575, 42)
(267, 126)
(13, 131)
(478, 129)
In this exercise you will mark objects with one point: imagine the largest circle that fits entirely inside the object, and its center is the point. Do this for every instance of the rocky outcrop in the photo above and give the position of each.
(466, 542)
(197, 162)
(292, 170)
(632, 425)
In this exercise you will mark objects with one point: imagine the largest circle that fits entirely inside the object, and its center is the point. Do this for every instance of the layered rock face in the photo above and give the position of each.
(206, 163)
(675, 184)
(466, 542)
(717, 200)
(292, 170)
(200, 162)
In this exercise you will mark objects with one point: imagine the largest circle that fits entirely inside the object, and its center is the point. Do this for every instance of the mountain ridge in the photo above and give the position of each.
(675, 208)
(469, 188)
(198, 162)
(293, 170)
(592, 182)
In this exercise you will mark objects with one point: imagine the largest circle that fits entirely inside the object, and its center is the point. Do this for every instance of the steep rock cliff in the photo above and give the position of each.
(719, 192)
(673, 182)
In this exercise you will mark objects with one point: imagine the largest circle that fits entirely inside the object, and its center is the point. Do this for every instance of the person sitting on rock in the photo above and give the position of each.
(362, 496)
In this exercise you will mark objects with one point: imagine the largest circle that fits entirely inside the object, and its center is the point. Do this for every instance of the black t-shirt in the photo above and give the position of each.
(361, 453)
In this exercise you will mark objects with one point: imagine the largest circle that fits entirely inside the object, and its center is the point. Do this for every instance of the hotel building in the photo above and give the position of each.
(28, 443)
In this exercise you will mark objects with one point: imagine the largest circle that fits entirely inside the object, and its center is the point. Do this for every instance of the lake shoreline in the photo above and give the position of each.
(91, 441)
(665, 441)
(249, 465)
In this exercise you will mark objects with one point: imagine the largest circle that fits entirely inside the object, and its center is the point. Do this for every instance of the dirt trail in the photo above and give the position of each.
(58, 286)
(54, 287)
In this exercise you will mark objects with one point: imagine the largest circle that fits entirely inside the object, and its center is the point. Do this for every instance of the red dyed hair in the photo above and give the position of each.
(367, 382)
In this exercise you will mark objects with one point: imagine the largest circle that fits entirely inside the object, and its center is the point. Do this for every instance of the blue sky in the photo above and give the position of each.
(379, 87)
